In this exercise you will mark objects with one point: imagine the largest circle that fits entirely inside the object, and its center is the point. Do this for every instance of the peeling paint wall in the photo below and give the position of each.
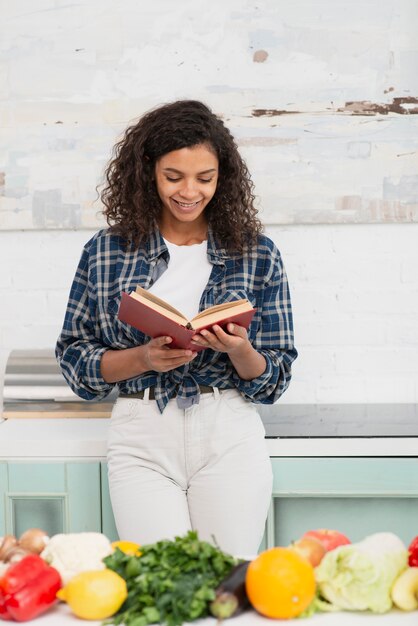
(322, 97)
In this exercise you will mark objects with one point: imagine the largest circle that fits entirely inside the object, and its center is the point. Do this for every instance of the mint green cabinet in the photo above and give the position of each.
(108, 521)
(357, 496)
(3, 490)
(55, 496)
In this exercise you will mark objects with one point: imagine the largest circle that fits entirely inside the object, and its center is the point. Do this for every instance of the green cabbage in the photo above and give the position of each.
(359, 577)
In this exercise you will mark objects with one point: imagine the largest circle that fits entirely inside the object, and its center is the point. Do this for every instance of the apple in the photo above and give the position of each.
(405, 590)
(310, 549)
(329, 538)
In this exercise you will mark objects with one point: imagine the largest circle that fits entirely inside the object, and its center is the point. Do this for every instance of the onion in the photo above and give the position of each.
(34, 540)
(15, 554)
(9, 542)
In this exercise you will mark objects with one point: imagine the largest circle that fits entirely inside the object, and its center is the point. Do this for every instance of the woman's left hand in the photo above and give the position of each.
(233, 342)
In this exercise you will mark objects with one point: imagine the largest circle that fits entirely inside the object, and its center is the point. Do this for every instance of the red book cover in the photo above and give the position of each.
(155, 324)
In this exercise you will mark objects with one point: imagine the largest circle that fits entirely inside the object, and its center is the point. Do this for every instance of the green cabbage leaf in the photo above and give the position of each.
(359, 577)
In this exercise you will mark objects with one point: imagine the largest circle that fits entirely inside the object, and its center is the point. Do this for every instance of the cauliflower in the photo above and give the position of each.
(76, 552)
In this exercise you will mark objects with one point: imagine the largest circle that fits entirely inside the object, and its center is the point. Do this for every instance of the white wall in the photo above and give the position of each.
(354, 291)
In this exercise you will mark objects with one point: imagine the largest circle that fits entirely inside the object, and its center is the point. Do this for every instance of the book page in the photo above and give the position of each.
(146, 295)
(222, 312)
(221, 307)
(167, 312)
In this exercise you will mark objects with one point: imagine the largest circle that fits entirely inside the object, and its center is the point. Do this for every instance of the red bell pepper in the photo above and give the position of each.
(413, 553)
(4, 613)
(28, 588)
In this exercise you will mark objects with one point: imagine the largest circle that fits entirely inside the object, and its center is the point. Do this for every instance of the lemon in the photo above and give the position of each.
(128, 547)
(95, 594)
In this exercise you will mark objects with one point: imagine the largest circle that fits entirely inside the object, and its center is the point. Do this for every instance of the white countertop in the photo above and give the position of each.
(61, 616)
(87, 438)
(53, 438)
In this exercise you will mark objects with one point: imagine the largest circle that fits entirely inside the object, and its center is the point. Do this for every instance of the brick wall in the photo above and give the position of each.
(354, 291)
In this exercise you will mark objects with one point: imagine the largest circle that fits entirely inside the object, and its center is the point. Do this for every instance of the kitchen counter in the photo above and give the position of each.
(47, 420)
(86, 438)
(61, 616)
(53, 438)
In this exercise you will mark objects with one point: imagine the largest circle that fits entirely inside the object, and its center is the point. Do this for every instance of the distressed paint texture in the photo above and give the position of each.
(322, 97)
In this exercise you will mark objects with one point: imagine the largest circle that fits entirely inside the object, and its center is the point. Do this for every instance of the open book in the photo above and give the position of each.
(155, 317)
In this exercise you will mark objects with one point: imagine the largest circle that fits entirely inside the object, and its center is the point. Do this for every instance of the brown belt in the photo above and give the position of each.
(140, 394)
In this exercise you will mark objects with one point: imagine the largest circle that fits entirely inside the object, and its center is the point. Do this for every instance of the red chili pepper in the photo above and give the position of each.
(27, 589)
(413, 552)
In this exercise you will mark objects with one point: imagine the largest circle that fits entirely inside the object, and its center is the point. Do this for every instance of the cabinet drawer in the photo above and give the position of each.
(388, 477)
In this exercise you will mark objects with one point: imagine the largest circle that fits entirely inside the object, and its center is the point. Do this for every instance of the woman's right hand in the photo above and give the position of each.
(159, 357)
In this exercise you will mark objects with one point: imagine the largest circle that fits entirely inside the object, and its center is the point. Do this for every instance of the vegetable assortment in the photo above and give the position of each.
(172, 582)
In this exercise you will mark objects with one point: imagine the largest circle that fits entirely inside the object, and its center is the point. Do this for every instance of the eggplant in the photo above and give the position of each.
(231, 597)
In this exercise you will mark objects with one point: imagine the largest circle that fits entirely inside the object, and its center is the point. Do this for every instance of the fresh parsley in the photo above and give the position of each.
(171, 582)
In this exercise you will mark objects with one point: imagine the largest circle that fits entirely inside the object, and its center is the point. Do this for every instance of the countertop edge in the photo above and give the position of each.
(87, 439)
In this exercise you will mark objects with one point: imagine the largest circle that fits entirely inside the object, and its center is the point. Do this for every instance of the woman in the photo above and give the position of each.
(186, 445)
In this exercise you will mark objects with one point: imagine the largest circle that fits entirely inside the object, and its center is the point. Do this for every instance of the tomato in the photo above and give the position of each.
(413, 553)
(329, 538)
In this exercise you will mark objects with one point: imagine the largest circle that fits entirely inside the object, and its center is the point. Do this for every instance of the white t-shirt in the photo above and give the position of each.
(185, 278)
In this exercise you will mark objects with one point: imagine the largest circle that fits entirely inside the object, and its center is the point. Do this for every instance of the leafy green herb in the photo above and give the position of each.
(171, 582)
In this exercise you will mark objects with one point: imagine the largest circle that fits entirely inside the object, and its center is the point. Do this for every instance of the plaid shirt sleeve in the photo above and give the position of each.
(274, 338)
(79, 348)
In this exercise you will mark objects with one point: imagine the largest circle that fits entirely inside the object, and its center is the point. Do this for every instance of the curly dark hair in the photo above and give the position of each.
(130, 197)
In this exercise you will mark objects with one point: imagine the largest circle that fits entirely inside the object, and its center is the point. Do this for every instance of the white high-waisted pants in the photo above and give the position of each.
(205, 468)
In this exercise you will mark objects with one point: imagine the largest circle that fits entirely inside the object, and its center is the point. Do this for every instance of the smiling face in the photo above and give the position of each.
(186, 182)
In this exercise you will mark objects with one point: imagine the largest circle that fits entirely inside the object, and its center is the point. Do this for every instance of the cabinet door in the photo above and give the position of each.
(108, 521)
(3, 490)
(358, 496)
(57, 497)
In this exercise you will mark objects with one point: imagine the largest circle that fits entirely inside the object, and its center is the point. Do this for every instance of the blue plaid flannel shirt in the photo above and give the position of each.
(91, 325)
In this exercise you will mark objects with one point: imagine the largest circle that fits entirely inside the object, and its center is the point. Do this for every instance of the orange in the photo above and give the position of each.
(280, 584)
(128, 547)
